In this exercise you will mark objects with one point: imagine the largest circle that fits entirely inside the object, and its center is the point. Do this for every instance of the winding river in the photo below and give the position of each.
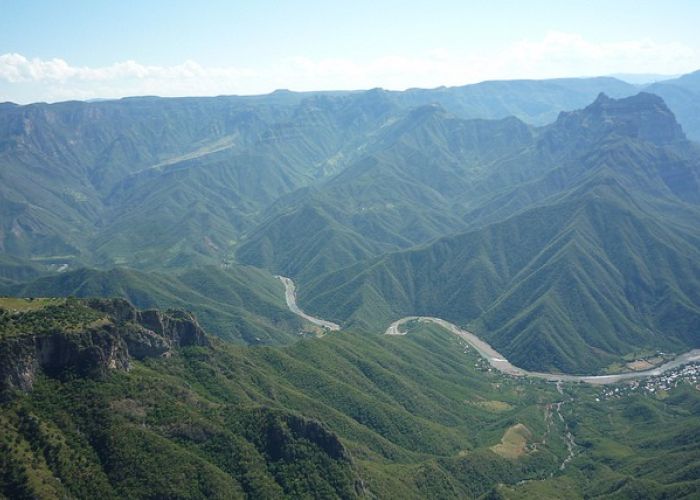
(499, 362)
(290, 294)
(495, 359)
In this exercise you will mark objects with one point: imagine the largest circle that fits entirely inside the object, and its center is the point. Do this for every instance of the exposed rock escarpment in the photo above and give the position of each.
(93, 349)
(642, 117)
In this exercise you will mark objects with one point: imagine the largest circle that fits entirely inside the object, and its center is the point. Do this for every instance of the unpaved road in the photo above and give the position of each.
(290, 295)
(499, 362)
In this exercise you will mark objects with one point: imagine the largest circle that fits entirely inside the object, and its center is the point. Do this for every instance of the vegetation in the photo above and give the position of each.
(41, 316)
(568, 239)
(567, 246)
(238, 303)
(152, 182)
(12, 304)
(599, 261)
(514, 442)
(400, 416)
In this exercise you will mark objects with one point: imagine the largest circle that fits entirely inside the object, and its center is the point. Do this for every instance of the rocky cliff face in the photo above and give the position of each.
(88, 353)
(94, 349)
(643, 116)
(152, 332)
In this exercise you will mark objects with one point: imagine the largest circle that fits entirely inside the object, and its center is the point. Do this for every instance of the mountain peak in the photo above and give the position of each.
(638, 101)
(643, 116)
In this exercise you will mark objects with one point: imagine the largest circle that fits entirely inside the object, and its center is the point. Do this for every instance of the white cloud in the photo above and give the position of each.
(15, 68)
(557, 54)
(566, 53)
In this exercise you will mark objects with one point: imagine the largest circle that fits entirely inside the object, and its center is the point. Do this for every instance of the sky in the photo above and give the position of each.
(68, 49)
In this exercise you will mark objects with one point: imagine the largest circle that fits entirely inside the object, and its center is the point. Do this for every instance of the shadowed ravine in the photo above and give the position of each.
(495, 359)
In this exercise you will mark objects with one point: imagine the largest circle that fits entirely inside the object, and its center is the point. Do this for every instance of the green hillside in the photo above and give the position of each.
(91, 181)
(345, 415)
(353, 194)
(585, 257)
(241, 304)
(409, 187)
(153, 182)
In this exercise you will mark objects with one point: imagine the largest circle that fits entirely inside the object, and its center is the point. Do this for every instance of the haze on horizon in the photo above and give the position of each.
(53, 51)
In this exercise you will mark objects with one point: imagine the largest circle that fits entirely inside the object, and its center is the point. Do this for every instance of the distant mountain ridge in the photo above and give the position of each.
(644, 116)
(572, 277)
(90, 180)
(357, 196)
(682, 94)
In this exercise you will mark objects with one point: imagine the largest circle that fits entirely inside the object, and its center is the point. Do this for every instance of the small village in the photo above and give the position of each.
(658, 385)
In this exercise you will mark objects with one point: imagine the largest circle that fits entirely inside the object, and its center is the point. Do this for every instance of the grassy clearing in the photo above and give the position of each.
(19, 304)
(493, 405)
(513, 443)
(639, 365)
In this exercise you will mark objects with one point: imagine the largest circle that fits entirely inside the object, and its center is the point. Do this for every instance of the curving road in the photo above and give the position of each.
(500, 363)
(290, 295)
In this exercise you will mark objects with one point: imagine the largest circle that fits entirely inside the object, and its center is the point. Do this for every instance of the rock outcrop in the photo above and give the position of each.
(179, 327)
(94, 350)
(642, 117)
(89, 353)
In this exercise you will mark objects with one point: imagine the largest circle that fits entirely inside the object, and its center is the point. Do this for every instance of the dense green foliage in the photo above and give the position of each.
(238, 303)
(567, 246)
(588, 250)
(568, 239)
(68, 315)
(412, 417)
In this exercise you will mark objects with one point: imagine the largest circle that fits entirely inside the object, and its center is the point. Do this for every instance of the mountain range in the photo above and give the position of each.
(152, 182)
(148, 348)
(588, 251)
(556, 218)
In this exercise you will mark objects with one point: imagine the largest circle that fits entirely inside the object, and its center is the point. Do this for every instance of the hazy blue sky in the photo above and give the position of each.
(54, 50)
